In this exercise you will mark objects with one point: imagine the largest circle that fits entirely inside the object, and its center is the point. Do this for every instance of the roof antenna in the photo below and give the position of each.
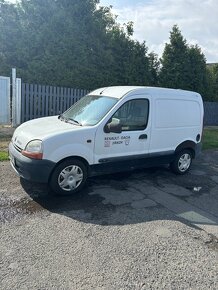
(103, 90)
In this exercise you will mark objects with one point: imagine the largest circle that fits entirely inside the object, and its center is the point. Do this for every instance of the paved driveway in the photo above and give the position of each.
(147, 229)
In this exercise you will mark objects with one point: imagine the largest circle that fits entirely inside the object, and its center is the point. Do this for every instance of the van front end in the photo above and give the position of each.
(32, 169)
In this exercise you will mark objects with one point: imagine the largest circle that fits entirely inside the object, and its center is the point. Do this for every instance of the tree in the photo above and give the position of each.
(197, 70)
(70, 43)
(212, 82)
(154, 68)
(175, 63)
(10, 28)
(183, 65)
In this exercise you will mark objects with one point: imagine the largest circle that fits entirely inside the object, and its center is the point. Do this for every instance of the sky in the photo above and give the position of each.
(154, 19)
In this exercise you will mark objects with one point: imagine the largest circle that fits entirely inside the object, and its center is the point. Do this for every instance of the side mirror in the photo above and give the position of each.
(113, 128)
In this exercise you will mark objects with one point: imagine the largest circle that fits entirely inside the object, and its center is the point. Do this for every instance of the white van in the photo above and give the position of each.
(111, 129)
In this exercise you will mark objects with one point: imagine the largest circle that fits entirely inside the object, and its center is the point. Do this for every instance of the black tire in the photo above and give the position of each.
(182, 162)
(68, 177)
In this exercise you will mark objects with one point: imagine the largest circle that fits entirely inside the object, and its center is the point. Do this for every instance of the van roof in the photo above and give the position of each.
(121, 91)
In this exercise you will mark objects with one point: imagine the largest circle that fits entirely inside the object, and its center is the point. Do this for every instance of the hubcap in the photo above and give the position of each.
(70, 177)
(184, 162)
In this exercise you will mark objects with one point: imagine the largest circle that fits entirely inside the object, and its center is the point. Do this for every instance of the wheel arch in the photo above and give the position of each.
(189, 145)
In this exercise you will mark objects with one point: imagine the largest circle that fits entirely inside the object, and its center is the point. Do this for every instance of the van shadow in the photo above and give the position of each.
(99, 202)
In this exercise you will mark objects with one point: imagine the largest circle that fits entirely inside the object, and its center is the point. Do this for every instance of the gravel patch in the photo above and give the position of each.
(62, 253)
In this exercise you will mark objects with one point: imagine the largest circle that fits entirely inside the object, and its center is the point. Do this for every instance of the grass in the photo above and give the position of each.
(4, 142)
(210, 138)
(3, 155)
(210, 141)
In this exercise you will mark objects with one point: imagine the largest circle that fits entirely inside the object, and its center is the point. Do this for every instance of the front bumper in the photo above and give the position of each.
(30, 169)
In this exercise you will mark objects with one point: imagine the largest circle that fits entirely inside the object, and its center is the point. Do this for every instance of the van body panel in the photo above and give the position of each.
(175, 120)
(72, 150)
(78, 142)
(118, 91)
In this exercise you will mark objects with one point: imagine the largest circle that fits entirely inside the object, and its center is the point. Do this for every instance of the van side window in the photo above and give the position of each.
(133, 115)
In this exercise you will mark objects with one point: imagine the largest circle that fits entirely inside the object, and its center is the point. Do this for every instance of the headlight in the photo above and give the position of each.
(33, 149)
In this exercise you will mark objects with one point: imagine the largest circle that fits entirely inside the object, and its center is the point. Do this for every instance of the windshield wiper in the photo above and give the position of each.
(68, 120)
(75, 121)
(61, 117)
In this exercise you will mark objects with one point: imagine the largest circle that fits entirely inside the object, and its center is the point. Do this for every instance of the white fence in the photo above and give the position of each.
(10, 100)
(40, 101)
(20, 102)
(4, 100)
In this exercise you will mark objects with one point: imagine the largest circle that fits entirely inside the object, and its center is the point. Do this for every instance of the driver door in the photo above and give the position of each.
(134, 138)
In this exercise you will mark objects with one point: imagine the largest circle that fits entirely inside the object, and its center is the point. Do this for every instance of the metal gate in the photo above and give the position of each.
(4, 100)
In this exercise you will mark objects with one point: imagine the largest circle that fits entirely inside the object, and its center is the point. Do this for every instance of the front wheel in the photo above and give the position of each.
(68, 177)
(182, 162)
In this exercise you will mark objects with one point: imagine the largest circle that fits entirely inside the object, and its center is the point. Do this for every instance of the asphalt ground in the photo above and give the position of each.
(147, 229)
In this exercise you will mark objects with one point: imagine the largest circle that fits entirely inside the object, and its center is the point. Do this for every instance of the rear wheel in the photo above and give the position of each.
(68, 177)
(182, 162)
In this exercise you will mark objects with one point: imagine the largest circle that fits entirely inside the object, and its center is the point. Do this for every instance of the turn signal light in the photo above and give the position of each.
(32, 155)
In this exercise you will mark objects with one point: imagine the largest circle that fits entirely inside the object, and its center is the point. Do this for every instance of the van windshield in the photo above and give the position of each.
(89, 110)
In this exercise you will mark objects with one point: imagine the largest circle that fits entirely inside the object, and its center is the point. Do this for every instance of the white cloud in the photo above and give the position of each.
(153, 21)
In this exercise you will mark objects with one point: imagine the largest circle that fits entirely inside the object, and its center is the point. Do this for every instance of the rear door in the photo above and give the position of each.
(133, 115)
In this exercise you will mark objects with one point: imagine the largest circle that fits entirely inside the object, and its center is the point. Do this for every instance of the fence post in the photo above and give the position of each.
(5, 100)
(13, 117)
(16, 99)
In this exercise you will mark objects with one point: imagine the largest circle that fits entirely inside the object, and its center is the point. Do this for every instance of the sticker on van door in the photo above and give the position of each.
(126, 139)
(108, 141)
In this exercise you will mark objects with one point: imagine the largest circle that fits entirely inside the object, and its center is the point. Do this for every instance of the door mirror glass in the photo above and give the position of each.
(113, 127)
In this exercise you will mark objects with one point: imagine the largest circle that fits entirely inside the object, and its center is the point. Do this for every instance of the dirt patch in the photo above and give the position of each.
(15, 209)
(6, 133)
(4, 145)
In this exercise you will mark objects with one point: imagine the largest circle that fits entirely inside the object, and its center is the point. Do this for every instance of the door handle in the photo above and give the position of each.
(143, 136)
